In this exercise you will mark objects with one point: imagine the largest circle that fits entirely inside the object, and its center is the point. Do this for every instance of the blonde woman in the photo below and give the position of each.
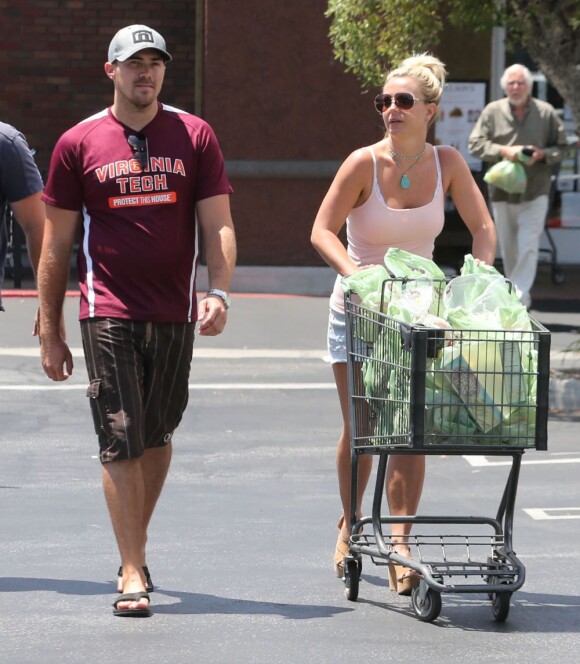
(391, 194)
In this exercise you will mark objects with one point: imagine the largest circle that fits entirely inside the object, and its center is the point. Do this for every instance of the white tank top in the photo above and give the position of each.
(374, 227)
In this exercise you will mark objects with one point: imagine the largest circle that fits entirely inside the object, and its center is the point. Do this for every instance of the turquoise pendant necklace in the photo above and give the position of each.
(416, 158)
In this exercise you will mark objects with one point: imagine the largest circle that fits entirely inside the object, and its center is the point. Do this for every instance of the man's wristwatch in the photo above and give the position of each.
(223, 296)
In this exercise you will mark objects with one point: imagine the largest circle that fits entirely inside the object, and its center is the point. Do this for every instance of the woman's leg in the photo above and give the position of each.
(404, 484)
(343, 455)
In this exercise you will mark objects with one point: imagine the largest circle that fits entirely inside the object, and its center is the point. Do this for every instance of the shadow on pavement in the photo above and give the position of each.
(529, 613)
(14, 584)
(189, 603)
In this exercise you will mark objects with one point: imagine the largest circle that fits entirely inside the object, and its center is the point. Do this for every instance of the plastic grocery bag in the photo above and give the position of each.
(480, 298)
(411, 302)
(491, 369)
(483, 302)
(472, 266)
(377, 372)
(507, 175)
(476, 372)
(401, 263)
(445, 414)
(415, 287)
(370, 285)
(367, 283)
(387, 388)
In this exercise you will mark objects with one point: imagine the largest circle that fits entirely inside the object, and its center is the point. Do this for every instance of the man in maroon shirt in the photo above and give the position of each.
(134, 179)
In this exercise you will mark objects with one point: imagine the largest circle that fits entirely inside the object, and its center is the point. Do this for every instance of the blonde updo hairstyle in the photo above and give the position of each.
(428, 70)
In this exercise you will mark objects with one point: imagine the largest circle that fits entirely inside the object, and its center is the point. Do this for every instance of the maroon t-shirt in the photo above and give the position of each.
(138, 251)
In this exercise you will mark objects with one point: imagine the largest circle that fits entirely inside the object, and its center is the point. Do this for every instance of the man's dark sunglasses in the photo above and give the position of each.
(403, 100)
(138, 144)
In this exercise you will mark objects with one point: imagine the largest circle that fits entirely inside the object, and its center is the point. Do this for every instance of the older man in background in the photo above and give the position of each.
(505, 128)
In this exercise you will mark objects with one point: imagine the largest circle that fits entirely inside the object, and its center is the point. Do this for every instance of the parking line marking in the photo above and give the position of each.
(204, 353)
(482, 461)
(192, 386)
(551, 513)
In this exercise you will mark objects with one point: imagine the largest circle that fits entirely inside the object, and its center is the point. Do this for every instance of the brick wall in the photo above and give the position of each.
(270, 88)
(53, 52)
(274, 93)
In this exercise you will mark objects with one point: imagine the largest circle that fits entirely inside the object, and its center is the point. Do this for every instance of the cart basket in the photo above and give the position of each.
(417, 387)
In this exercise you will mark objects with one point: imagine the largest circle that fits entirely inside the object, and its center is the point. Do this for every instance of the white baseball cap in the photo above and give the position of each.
(135, 38)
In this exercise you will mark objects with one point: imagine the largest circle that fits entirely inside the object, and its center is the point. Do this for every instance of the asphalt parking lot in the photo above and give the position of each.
(241, 544)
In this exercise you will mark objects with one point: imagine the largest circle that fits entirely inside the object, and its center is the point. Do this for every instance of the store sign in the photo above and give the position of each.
(459, 109)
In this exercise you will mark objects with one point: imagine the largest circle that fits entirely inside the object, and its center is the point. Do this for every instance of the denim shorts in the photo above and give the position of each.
(336, 339)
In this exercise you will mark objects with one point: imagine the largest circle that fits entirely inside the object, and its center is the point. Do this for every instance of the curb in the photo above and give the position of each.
(22, 293)
(261, 279)
(564, 395)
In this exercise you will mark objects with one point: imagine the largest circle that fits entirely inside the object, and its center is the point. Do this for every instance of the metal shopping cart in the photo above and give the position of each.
(425, 390)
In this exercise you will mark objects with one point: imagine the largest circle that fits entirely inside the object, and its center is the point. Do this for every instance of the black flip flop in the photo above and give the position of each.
(131, 613)
(149, 587)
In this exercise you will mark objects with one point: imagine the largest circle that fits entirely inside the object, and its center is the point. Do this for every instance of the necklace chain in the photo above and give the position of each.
(410, 157)
(416, 158)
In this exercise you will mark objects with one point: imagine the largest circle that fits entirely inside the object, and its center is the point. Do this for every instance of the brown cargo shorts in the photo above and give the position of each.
(138, 382)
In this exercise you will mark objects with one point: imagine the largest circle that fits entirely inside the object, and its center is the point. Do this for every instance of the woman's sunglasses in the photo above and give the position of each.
(403, 100)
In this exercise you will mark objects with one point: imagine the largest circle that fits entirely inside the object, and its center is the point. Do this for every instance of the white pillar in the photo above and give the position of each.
(497, 63)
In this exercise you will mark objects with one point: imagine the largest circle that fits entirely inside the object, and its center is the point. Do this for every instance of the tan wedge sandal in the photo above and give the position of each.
(342, 550)
(403, 579)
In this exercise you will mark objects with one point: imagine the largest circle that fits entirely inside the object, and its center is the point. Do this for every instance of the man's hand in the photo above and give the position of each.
(537, 155)
(56, 358)
(511, 152)
(211, 316)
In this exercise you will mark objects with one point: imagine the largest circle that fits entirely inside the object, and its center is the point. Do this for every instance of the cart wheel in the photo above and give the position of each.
(496, 569)
(500, 606)
(352, 572)
(429, 608)
(557, 275)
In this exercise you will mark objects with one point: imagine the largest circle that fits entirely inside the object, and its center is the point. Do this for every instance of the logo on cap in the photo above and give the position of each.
(143, 36)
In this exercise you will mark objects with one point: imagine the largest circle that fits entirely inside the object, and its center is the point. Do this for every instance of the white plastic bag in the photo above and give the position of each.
(507, 175)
